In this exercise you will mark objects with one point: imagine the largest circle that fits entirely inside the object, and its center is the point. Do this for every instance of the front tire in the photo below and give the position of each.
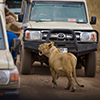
(26, 61)
(90, 64)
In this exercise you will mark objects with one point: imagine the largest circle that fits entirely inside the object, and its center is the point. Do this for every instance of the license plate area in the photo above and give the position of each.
(63, 50)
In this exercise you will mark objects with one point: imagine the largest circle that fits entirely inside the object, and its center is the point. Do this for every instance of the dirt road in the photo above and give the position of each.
(37, 86)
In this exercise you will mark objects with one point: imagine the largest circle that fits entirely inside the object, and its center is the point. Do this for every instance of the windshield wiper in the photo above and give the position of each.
(43, 20)
(80, 22)
(38, 20)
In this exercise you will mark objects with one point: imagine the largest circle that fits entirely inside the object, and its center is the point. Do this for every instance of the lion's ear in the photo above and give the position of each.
(50, 44)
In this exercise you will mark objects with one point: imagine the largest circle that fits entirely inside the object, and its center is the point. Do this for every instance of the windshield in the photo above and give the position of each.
(14, 5)
(58, 11)
(1, 36)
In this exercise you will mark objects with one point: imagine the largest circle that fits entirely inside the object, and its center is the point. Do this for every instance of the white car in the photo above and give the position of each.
(9, 75)
(66, 23)
(14, 6)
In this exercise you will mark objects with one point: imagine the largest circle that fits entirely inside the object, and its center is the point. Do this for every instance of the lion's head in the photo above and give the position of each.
(44, 48)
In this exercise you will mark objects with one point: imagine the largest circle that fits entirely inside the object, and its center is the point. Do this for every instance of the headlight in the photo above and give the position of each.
(4, 77)
(33, 35)
(8, 77)
(86, 36)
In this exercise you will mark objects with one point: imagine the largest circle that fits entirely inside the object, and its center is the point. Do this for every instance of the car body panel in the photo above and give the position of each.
(6, 59)
(61, 25)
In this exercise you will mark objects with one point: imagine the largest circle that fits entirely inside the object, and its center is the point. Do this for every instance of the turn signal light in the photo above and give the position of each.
(14, 77)
(27, 35)
(93, 36)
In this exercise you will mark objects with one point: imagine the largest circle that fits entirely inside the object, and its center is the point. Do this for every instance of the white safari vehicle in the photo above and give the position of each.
(66, 23)
(9, 76)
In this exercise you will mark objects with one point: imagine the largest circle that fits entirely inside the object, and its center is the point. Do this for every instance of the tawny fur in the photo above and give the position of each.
(60, 64)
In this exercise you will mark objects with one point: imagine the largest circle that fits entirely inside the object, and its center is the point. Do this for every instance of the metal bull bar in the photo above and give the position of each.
(65, 31)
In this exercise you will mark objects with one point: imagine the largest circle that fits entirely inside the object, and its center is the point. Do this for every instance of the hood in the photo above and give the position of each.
(59, 25)
(6, 61)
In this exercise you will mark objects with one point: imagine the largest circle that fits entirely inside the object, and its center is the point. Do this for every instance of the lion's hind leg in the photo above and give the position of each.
(68, 70)
(54, 77)
(70, 83)
(68, 86)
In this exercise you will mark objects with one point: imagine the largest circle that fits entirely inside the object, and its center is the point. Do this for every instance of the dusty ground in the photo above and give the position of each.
(37, 86)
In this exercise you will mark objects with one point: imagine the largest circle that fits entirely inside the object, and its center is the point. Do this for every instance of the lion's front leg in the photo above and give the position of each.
(54, 77)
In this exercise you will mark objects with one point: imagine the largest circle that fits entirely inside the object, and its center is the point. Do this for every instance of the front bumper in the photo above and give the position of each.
(7, 94)
(75, 46)
(83, 48)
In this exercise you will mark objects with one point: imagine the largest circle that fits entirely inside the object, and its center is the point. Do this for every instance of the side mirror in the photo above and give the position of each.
(93, 20)
(20, 17)
(16, 45)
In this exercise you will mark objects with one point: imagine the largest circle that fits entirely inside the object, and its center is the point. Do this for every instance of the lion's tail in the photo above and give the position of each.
(74, 71)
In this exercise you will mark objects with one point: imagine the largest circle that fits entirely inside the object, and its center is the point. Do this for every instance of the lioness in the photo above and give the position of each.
(60, 64)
